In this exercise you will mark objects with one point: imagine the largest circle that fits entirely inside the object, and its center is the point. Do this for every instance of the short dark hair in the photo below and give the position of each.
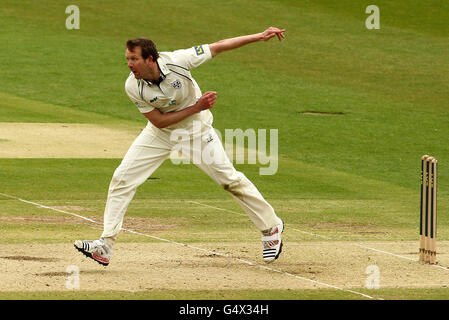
(146, 45)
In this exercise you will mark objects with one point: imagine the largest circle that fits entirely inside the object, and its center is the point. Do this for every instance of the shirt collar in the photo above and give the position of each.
(164, 71)
(163, 67)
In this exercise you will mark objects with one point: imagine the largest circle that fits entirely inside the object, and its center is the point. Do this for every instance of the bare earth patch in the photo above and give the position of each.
(354, 228)
(152, 224)
(27, 258)
(69, 140)
(63, 140)
(147, 266)
(72, 208)
(134, 223)
(40, 219)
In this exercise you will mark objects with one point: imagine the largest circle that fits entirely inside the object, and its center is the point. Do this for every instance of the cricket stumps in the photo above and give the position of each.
(428, 210)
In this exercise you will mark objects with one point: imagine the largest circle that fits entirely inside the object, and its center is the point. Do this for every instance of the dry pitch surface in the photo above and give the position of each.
(212, 266)
(200, 266)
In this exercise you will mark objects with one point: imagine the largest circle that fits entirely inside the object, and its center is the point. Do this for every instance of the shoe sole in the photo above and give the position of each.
(89, 255)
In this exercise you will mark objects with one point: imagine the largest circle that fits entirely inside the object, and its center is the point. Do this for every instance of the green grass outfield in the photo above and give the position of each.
(338, 174)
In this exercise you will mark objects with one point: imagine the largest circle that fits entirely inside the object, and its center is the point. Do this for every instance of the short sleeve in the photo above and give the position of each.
(135, 93)
(192, 57)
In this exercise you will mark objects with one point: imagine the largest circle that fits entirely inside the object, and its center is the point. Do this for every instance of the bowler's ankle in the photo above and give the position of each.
(109, 241)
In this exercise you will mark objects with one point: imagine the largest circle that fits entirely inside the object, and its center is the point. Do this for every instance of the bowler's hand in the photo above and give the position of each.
(271, 32)
(207, 100)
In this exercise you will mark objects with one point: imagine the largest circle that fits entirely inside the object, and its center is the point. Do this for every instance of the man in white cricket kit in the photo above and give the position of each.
(162, 87)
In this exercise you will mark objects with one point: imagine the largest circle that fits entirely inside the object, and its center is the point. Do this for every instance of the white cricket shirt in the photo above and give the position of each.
(177, 90)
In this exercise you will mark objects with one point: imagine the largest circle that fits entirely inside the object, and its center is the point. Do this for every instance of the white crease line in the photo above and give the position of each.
(221, 209)
(251, 264)
(325, 237)
(385, 252)
(312, 234)
(201, 249)
(399, 256)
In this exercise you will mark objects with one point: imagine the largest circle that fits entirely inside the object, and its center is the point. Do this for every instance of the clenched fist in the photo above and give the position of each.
(207, 100)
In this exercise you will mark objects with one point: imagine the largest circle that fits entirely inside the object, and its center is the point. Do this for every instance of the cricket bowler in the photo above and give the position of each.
(161, 86)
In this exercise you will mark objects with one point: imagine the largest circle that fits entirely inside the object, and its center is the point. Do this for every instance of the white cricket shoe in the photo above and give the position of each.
(97, 250)
(272, 243)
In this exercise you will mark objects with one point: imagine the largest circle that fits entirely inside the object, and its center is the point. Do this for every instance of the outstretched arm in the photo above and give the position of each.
(237, 42)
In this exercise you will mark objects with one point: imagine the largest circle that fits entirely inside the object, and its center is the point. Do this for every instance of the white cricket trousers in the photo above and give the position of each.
(148, 152)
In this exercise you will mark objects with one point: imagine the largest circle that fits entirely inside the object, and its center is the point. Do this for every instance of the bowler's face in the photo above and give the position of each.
(139, 66)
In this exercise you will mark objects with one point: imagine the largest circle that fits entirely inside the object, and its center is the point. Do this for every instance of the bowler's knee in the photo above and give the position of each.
(238, 186)
(120, 180)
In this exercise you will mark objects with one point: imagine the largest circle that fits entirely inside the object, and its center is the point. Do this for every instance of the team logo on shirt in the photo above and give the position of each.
(177, 84)
(199, 50)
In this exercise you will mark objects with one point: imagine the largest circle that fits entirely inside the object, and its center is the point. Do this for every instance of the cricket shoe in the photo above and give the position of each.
(272, 242)
(97, 250)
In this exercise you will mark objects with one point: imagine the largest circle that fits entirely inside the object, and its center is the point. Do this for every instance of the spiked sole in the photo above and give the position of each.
(89, 255)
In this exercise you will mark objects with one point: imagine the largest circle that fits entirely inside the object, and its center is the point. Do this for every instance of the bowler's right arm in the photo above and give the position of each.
(162, 120)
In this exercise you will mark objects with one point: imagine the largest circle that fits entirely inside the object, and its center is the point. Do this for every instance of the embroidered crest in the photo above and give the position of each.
(177, 84)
